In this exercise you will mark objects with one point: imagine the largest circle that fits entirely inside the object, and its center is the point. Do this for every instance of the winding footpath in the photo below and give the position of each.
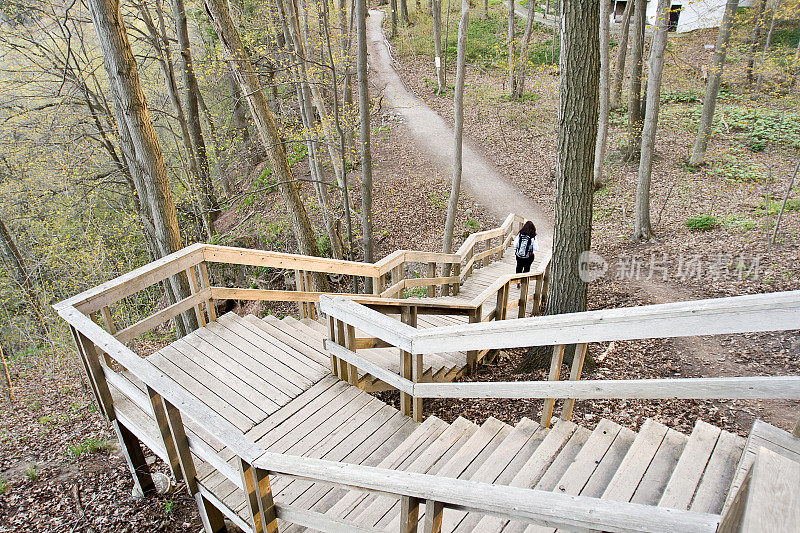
(434, 138)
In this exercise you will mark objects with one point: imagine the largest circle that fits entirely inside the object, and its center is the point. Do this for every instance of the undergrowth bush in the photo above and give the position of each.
(701, 223)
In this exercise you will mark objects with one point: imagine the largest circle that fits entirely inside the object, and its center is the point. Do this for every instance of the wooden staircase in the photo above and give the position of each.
(297, 408)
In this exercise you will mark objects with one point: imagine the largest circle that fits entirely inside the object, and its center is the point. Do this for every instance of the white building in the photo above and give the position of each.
(687, 15)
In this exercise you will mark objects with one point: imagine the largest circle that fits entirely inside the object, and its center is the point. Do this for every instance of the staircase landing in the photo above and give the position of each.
(270, 378)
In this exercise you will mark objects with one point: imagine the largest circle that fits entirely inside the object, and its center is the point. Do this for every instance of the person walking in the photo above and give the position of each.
(524, 245)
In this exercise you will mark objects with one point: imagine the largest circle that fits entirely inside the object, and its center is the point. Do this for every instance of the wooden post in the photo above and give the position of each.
(501, 309)
(545, 284)
(299, 281)
(475, 316)
(524, 287)
(432, 274)
(341, 341)
(166, 437)
(210, 516)
(258, 498)
(134, 456)
(205, 283)
(434, 512)
(537, 295)
(350, 339)
(94, 371)
(332, 337)
(194, 288)
(457, 273)
(408, 316)
(574, 375)
(409, 514)
(311, 306)
(111, 327)
(555, 372)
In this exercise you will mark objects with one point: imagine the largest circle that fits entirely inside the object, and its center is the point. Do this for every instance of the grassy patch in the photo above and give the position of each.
(89, 446)
(773, 207)
(701, 223)
(32, 472)
(3, 486)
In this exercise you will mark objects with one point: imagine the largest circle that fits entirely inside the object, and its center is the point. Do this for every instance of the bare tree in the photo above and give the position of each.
(404, 13)
(577, 132)
(712, 89)
(622, 54)
(366, 153)
(767, 44)
(239, 62)
(602, 132)
(436, 8)
(643, 229)
(637, 64)
(458, 126)
(511, 40)
(755, 36)
(518, 76)
(20, 273)
(130, 108)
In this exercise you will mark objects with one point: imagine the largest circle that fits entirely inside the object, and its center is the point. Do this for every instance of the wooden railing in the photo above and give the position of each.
(740, 314)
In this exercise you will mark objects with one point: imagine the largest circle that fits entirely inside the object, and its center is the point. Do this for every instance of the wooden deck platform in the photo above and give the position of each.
(270, 378)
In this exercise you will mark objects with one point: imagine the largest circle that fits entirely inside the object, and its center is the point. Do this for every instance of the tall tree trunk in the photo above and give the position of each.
(239, 62)
(712, 89)
(436, 7)
(364, 133)
(191, 92)
(393, 9)
(404, 13)
(130, 108)
(485, 10)
(622, 54)
(239, 119)
(227, 186)
(518, 78)
(577, 132)
(21, 276)
(637, 63)
(643, 229)
(602, 132)
(458, 127)
(755, 36)
(511, 40)
(767, 44)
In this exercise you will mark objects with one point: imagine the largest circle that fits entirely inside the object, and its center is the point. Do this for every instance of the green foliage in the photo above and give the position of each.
(773, 207)
(701, 223)
(169, 507)
(741, 223)
(89, 446)
(684, 97)
(32, 472)
(472, 225)
(3, 486)
(785, 37)
(762, 126)
(735, 166)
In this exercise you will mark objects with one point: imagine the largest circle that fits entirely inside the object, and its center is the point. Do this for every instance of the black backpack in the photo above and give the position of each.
(524, 246)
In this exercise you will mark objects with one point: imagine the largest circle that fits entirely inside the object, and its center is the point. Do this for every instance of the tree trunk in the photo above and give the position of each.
(436, 7)
(578, 104)
(393, 9)
(191, 92)
(758, 24)
(364, 132)
(485, 11)
(712, 89)
(239, 119)
(637, 63)
(130, 108)
(404, 13)
(21, 276)
(511, 40)
(622, 54)
(518, 79)
(643, 229)
(602, 131)
(458, 127)
(239, 62)
(767, 43)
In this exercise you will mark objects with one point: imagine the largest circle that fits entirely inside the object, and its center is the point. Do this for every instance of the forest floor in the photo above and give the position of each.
(60, 470)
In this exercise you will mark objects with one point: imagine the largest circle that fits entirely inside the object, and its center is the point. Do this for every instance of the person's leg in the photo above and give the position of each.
(527, 266)
(520, 265)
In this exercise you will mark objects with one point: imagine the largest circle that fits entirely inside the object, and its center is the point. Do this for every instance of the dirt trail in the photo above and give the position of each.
(434, 137)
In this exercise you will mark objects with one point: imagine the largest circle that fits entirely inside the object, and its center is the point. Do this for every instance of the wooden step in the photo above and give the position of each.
(704, 471)
(768, 436)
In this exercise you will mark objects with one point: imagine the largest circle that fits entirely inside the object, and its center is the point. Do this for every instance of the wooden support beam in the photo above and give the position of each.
(111, 327)
(537, 296)
(409, 514)
(574, 375)
(434, 512)
(524, 288)
(258, 497)
(194, 286)
(456, 286)
(205, 283)
(341, 341)
(432, 274)
(350, 344)
(166, 437)
(555, 372)
(332, 337)
(89, 374)
(407, 316)
(134, 456)
(299, 281)
(475, 316)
